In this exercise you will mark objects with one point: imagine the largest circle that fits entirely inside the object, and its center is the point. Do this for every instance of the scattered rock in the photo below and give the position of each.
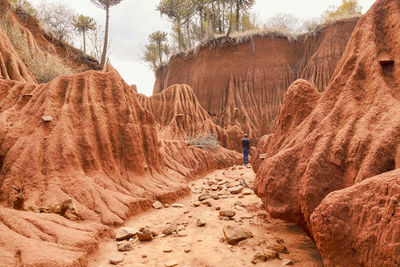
(238, 203)
(203, 197)
(47, 118)
(241, 196)
(182, 233)
(201, 222)
(154, 233)
(169, 230)
(234, 234)
(171, 264)
(279, 248)
(210, 183)
(218, 208)
(236, 189)
(207, 202)
(227, 213)
(157, 205)
(186, 211)
(215, 197)
(177, 205)
(116, 259)
(247, 192)
(167, 250)
(126, 246)
(214, 188)
(144, 234)
(196, 204)
(125, 233)
(187, 250)
(166, 205)
(265, 256)
(287, 262)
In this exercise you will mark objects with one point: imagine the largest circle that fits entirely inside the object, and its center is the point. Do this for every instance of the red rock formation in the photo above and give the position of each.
(351, 135)
(179, 114)
(364, 219)
(244, 84)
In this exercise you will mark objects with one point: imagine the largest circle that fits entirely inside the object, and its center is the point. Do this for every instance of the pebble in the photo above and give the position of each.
(287, 262)
(227, 213)
(236, 189)
(187, 250)
(157, 205)
(169, 230)
(200, 222)
(171, 264)
(177, 205)
(167, 250)
(126, 246)
(196, 204)
(116, 259)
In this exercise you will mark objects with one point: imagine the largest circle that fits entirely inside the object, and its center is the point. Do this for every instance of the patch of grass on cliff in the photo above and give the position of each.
(43, 66)
(207, 142)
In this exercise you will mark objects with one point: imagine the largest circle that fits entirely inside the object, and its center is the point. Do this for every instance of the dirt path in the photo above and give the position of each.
(204, 246)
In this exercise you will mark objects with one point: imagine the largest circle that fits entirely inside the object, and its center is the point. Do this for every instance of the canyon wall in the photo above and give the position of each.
(332, 164)
(242, 82)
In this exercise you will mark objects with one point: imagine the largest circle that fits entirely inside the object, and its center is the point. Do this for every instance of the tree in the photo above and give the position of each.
(241, 6)
(347, 8)
(57, 18)
(106, 5)
(83, 24)
(283, 22)
(156, 49)
(96, 41)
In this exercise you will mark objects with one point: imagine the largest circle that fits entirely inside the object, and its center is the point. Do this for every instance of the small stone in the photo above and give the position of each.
(196, 204)
(241, 196)
(247, 192)
(236, 189)
(187, 250)
(182, 233)
(171, 264)
(218, 208)
(210, 183)
(144, 234)
(169, 230)
(200, 222)
(166, 205)
(234, 234)
(281, 248)
(207, 202)
(144, 256)
(222, 239)
(238, 203)
(204, 197)
(214, 188)
(157, 205)
(215, 197)
(186, 211)
(116, 259)
(227, 213)
(126, 246)
(265, 256)
(287, 262)
(154, 233)
(47, 118)
(125, 233)
(177, 205)
(167, 250)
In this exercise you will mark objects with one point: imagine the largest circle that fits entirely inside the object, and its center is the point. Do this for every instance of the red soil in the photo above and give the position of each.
(244, 84)
(179, 114)
(351, 136)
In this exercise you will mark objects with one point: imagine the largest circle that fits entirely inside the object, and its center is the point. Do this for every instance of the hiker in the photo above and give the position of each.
(246, 149)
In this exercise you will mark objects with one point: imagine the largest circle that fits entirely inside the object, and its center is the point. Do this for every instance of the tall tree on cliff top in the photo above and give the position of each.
(83, 24)
(242, 6)
(106, 5)
(346, 9)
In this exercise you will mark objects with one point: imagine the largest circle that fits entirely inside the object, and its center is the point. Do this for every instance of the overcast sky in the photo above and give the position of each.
(133, 20)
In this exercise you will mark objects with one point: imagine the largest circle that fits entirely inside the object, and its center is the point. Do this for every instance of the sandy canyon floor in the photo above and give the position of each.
(196, 246)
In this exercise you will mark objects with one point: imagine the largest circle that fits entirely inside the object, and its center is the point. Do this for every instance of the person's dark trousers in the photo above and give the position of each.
(246, 153)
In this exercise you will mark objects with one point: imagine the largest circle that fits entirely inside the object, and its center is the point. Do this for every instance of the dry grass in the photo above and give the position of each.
(207, 142)
(43, 66)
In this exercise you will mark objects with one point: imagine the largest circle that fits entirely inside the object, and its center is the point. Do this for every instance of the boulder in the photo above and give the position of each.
(125, 233)
(234, 234)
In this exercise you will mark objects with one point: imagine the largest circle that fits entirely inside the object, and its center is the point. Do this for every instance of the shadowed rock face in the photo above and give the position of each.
(244, 84)
(349, 139)
(179, 114)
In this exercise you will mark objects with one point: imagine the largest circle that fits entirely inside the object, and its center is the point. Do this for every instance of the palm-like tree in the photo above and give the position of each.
(83, 24)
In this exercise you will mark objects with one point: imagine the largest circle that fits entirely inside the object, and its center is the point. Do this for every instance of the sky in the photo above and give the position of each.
(133, 20)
